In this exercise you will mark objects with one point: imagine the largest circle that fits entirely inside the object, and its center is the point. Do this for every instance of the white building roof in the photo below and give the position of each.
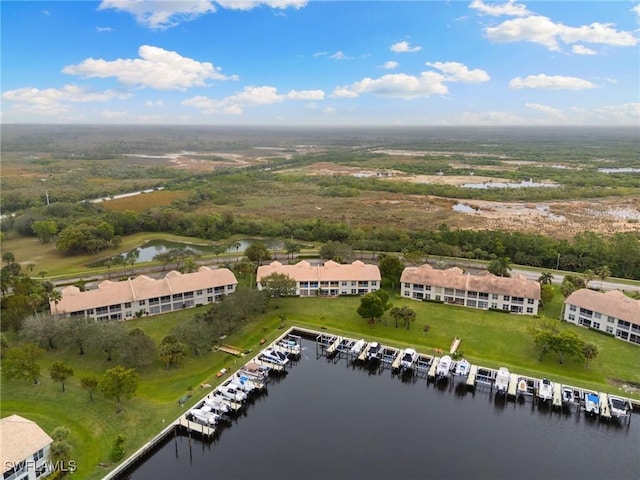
(141, 288)
(517, 285)
(303, 271)
(20, 439)
(613, 303)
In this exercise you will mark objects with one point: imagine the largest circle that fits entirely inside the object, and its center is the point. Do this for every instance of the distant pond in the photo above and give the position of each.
(152, 248)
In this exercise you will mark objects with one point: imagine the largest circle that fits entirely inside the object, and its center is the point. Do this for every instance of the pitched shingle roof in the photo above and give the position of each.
(19, 439)
(613, 303)
(303, 271)
(141, 288)
(517, 285)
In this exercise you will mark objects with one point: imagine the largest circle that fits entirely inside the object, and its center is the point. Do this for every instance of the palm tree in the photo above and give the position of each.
(55, 296)
(218, 250)
(588, 276)
(500, 267)
(546, 278)
(603, 272)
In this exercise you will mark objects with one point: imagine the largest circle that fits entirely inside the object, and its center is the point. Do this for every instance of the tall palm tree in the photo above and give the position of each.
(603, 272)
(546, 278)
(500, 267)
(588, 276)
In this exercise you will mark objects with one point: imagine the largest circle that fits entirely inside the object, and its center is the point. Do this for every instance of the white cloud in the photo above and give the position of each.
(547, 110)
(251, 4)
(550, 82)
(248, 97)
(329, 110)
(104, 29)
(458, 72)
(625, 114)
(582, 50)
(340, 55)
(320, 54)
(488, 118)
(404, 47)
(544, 31)
(160, 15)
(157, 103)
(495, 10)
(56, 100)
(156, 68)
(636, 9)
(398, 85)
(390, 65)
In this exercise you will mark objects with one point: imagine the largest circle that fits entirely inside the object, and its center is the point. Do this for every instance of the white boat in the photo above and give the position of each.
(217, 405)
(592, 403)
(253, 369)
(502, 380)
(568, 396)
(545, 390)
(240, 384)
(408, 358)
(290, 346)
(232, 393)
(462, 368)
(274, 356)
(203, 416)
(618, 407)
(444, 365)
(375, 351)
(523, 387)
(358, 346)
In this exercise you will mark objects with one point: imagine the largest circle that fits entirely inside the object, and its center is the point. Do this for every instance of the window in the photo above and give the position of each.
(102, 310)
(529, 309)
(448, 291)
(530, 301)
(115, 308)
(572, 317)
(165, 298)
(596, 325)
(344, 284)
(127, 305)
(471, 303)
(623, 324)
(210, 290)
(188, 295)
(407, 285)
(586, 312)
(494, 296)
(38, 455)
(609, 329)
(572, 308)
(483, 304)
(177, 296)
(427, 288)
(494, 305)
(611, 320)
(483, 296)
(596, 315)
(199, 292)
(506, 298)
(472, 294)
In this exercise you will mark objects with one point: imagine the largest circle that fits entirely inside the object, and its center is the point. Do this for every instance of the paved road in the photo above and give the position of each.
(597, 284)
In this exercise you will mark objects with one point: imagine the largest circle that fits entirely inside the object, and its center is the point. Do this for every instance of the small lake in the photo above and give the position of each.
(152, 248)
(523, 184)
(331, 420)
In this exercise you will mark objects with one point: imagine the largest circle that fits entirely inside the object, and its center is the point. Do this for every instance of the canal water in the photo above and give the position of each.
(331, 420)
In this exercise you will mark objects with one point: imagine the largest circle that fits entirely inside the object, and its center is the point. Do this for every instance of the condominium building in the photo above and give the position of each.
(611, 312)
(486, 291)
(146, 296)
(24, 449)
(329, 279)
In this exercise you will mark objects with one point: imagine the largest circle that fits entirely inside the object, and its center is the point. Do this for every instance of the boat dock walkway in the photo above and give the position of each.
(427, 365)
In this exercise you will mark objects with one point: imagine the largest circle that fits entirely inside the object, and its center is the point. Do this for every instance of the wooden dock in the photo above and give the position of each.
(332, 348)
(557, 395)
(471, 379)
(512, 391)
(365, 351)
(231, 350)
(192, 427)
(433, 368)
(396, 362)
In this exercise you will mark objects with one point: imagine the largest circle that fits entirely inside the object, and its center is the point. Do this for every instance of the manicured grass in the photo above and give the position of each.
(144, 201)
(488, 339)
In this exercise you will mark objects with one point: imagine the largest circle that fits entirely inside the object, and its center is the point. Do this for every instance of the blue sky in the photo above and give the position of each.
(297, 62)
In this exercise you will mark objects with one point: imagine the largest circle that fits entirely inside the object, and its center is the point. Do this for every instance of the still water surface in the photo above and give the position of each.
(332, 420)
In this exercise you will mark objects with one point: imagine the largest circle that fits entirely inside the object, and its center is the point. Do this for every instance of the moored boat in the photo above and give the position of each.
(358, 346)
(592, 403)
(568, 396)
(408, 358)
(375, 352)
(274, 356)
(618, 407)
(462, 368)
(545, 390)
(502, 380)
(444, 365)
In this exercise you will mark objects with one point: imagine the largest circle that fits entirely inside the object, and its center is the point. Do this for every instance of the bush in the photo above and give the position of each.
(426, 328)
(117, 450)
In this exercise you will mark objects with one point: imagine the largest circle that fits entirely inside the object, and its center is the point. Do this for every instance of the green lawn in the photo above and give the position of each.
(489, 339)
